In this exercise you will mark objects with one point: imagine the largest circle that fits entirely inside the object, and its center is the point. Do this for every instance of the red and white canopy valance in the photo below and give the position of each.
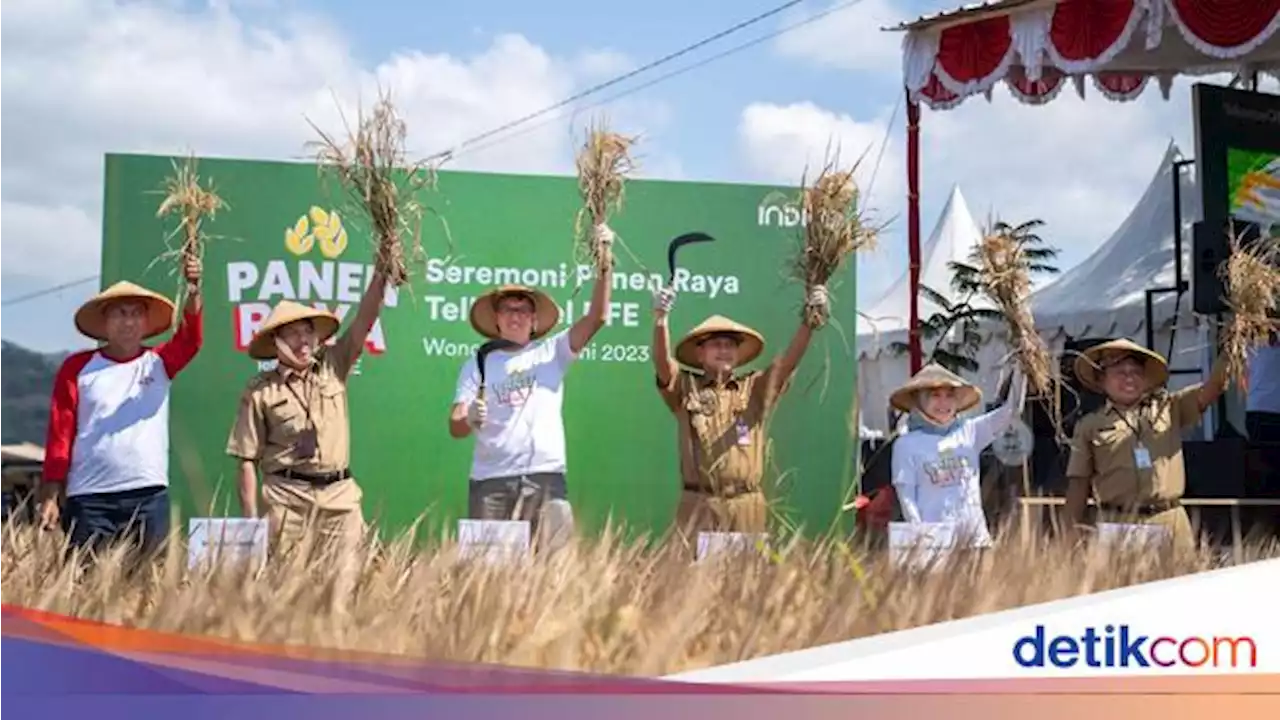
(1035, 47)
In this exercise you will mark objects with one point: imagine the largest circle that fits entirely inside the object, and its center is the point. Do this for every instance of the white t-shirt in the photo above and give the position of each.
(523, 432)
(937, 476)
(1264, 380)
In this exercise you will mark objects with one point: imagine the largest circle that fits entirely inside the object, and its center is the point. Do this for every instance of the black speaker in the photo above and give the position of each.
(1210, 247)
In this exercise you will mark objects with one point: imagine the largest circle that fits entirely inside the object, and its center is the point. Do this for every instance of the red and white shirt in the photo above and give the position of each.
(109, 417)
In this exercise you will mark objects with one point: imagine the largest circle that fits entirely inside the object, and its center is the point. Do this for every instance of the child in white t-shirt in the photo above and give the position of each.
(935, 463)
(519, 464)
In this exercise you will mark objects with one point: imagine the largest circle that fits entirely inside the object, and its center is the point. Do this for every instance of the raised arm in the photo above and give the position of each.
(590, 323)
(988, 426)
(784, 366)
(904, 482)
(1213, 388)
(664, 365)
(182, 348)
(351, 344)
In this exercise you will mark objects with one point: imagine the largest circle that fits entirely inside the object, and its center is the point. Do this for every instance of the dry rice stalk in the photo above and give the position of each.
(834, 228)
(603, 165)
(1252, 278)
(366, 165)
(1006, 280)
(185, 196)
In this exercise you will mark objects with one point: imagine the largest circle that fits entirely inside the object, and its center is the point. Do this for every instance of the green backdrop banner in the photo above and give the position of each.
(285, 234)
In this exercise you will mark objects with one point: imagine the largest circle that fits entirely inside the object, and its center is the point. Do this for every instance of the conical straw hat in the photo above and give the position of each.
(1090, 364)
(484, 312)
(931, 377)
(91, 319)
(751, 347)
(263, 344)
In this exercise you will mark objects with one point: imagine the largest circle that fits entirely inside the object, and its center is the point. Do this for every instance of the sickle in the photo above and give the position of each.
(482, 353)
(677, 243)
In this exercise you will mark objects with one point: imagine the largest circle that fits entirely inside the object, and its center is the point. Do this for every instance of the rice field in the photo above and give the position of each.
(600, 604)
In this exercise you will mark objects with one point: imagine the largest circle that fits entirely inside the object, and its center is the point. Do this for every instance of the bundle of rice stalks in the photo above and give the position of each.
(367, 165)
(184, 195)
(1006, 280)
(604, 162)
(834, 228)
(1252, 277)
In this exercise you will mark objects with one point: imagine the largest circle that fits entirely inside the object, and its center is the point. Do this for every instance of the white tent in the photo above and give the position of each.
(954, 236)
(885, 321)
(1103, 296)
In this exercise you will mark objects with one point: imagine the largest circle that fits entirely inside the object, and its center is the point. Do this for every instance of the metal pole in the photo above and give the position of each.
(913, 230)
(1177, 224)
(1150, 319)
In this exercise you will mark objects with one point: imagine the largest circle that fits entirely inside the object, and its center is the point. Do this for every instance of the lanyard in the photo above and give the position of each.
(306, 406)
(1137, 429)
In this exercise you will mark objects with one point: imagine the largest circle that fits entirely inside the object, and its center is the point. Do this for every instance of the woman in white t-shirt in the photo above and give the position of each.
(935, 463)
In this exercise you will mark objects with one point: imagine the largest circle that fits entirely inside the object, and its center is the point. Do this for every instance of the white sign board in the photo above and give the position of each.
(920, 543)
(219, 539)
(494, 540)
(714, 543)
(1133, 536)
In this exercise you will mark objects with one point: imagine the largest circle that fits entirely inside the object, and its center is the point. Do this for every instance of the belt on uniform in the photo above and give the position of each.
(1147, 509)
(724, 492)
(314, 478)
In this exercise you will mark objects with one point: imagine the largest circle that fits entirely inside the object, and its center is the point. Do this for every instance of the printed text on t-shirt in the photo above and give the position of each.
(948, 469)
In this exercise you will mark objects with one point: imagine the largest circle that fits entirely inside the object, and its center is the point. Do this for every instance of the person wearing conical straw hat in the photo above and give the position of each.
(293, 426)
(1128, 453)
(721, 415)
(107, 445)
(935, 463)
(519, 462)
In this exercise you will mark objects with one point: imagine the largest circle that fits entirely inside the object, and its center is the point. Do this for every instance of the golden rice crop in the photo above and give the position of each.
(602, 604)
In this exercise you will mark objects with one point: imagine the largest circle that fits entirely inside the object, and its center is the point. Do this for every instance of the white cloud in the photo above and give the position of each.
(604, 64)
(782, 142)
(86, 77)
(1079, 165)
(847, 39)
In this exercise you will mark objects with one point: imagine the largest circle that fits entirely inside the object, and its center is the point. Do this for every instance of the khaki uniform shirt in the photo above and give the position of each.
(1103, 449)
(722, 434)
(280, 404)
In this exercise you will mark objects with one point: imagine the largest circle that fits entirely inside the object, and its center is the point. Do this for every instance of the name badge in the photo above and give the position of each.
(1142, 457)
(305, 447)
(744, 434)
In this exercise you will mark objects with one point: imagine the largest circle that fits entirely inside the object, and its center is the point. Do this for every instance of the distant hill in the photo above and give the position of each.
(25, 385)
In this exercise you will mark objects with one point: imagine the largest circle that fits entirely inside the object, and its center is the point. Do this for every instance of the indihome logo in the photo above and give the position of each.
(324, 282)
(777, 209)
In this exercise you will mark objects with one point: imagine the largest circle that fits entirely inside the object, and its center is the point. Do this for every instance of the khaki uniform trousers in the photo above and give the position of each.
(1184, 537)
(329, 516)
(701, 512)
(333, 512)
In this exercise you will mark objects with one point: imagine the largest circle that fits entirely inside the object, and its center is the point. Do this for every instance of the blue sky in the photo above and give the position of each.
(71, 88)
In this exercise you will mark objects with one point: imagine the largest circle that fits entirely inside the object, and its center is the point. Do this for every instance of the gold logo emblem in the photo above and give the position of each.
(318, 227)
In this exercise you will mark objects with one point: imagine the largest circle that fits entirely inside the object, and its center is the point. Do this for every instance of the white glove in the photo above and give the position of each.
(476, 413)
(603, 235)
(818, 303)
(664, 300)
(819, 298)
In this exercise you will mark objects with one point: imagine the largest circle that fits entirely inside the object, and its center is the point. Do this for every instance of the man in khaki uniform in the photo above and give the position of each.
(1129, 452)
(721, 418)
(293, 424)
